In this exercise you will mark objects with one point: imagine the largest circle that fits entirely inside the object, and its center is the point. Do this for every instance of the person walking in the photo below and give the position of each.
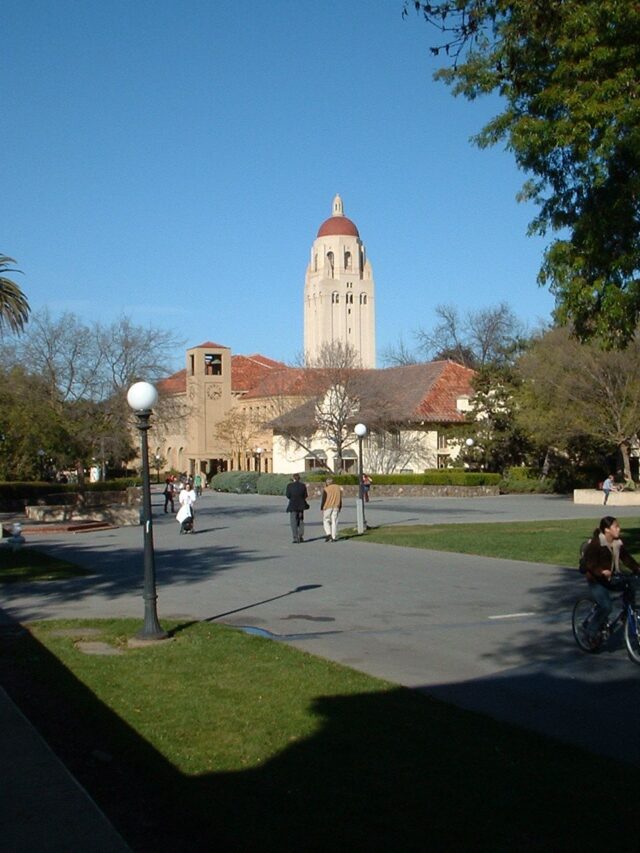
(331, 504)
(366, 487)
(187, 499)
(198, 485)
(296, 494)
(169, 491)
(607, 487)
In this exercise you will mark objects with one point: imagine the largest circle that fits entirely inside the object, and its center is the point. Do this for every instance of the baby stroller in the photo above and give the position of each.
(186, 525)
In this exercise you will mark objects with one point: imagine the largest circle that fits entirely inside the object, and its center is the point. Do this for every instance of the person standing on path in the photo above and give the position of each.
(168, 494)
(296, 494)
(331, 504)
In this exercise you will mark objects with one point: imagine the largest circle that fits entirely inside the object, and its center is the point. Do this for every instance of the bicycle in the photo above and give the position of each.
(584, 611)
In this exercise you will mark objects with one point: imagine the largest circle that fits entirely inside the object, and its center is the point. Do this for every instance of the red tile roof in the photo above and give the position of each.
(174, 384)
(407, 394)
(247, 371)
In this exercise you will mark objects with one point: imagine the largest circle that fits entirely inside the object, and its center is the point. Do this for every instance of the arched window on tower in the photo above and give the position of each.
(331, 263)
(363, 299)
(335, 297)
(347, 260)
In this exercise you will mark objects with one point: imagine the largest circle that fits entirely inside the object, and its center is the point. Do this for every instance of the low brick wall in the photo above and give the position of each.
(121, 515)
(315, 490)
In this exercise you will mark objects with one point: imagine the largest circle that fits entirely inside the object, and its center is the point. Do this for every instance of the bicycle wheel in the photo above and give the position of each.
(582, 623)
(632, 635)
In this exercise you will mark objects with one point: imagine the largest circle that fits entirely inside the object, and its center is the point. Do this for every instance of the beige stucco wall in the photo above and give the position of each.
(289, 457)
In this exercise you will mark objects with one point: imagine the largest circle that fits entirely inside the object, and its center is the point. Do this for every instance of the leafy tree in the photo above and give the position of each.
(14, 307)
(568, 72)
(499, 440)
(573, 392)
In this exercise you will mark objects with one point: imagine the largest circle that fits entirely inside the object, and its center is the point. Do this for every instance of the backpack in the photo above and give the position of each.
(582, 563)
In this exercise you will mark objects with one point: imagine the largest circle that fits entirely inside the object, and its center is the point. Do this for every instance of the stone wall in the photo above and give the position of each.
(315, 490)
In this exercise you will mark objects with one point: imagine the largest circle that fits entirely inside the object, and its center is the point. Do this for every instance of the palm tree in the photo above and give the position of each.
(14, 307)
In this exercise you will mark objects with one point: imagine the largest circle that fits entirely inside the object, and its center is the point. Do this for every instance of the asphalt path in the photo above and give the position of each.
(490, 635)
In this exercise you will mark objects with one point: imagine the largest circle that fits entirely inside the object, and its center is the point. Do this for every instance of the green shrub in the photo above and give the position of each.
(273, 484)
(520, 472)
(239, 482)
(522, 486)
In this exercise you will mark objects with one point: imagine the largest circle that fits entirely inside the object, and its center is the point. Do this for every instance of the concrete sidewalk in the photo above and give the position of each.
(43, 809)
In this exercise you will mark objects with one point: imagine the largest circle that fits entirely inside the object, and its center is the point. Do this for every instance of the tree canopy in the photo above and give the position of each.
(572, 390)
(568, 72)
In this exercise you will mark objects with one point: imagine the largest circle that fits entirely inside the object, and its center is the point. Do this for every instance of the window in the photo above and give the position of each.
(442, 442)
(347, 260)
(213, 364)
(335, 298)
(192, 364)
(330, 259)
(363, 299)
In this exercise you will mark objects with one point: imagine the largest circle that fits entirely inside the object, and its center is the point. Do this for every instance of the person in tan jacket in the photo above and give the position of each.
(331, 504)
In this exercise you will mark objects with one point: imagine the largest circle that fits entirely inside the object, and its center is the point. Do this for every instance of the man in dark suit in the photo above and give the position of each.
(297, 496)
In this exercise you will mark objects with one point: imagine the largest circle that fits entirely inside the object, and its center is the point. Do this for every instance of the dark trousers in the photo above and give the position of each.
(296, 519)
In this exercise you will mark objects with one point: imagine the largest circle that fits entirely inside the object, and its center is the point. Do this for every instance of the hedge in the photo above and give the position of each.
(32, 490)
(273, 484)
(446, 477)
(240, 482)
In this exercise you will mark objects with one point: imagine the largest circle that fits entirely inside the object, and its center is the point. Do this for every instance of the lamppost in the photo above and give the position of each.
(41, 463)
(142, 396)
(157, 459)
(469, 442)
(258, 455)
(361, 524)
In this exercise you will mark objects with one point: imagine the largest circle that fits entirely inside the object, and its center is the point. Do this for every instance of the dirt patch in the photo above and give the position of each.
(92, 647)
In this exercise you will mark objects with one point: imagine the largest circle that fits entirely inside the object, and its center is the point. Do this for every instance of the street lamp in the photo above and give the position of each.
(41, 463)
(142, 396)
(259, 452)
(157, 458)
(361, 524)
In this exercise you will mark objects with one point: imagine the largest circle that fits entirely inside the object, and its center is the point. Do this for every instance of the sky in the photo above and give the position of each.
(172, 161)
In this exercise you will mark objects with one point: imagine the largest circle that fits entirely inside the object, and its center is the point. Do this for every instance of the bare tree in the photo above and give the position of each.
(390, 449)
(482, 337)
(398, 354)
(237, 432)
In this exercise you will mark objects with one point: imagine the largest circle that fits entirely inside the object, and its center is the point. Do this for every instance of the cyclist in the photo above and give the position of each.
(602, 559)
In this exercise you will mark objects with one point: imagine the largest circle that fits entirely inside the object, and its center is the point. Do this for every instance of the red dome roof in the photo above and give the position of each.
(338, 225)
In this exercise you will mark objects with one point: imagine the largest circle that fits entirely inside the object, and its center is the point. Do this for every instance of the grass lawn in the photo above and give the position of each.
(554, 542)
(26, 564)
(220, 740)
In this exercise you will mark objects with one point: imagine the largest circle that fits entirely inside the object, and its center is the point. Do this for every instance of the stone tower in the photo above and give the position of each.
(339, 302)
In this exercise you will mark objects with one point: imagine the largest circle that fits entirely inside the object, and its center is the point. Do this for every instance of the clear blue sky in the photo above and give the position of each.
(172, 160)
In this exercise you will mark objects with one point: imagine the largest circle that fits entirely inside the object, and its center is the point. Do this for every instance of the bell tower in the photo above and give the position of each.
(339, 302)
